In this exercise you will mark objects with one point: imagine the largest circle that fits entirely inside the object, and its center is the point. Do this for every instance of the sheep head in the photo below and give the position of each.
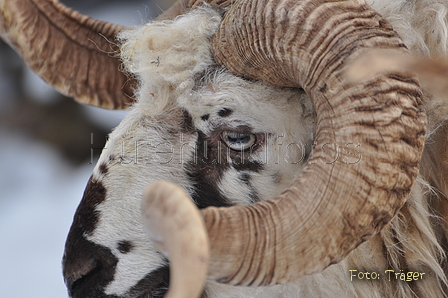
(328, 210)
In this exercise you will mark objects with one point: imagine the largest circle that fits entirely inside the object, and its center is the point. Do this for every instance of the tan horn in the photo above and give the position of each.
(369, 141)
(73, 53)
(174, 223)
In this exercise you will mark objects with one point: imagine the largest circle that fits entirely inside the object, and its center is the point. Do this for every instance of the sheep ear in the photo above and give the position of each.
(73, 53)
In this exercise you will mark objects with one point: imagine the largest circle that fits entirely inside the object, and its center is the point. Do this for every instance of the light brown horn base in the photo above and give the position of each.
(174, 224)
(72, 52)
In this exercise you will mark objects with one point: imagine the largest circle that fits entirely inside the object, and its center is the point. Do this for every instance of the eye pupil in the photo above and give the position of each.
(238, 138)
(238, 141)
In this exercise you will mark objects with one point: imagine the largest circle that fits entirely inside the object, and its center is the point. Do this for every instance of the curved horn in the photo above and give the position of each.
(73, 53)
(376, 129)
(174, 222)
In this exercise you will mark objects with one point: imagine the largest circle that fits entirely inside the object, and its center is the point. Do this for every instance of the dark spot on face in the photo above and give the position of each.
(276, 178)
(225, 112)
(212, 159)
(86, 216)
(124, 246)
(252, 166)
(205, 172)
(205, 117)
(187, 122)
(253, 196)
(103, 169)
(244, 177)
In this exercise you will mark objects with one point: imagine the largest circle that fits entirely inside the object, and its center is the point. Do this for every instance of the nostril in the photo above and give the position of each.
(87, 267)
(70, 283)
(79, 271)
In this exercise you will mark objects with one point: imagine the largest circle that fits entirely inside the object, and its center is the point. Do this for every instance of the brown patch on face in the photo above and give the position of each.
(276, 178)
(124, 246)
(187, 122)
(86, 217)
(246, 179)
(205, 172)
(213, 158)
(103, 169)
(225, 112)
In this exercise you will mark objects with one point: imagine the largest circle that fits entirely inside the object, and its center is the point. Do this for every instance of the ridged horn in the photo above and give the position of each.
(369, 140)
(72, 52)
(170, 209)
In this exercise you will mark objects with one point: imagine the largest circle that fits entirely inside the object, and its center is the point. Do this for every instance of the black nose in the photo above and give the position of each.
(87, 267)
(74, 272)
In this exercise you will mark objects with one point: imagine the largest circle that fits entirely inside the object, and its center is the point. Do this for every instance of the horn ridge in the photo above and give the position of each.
(72, 52)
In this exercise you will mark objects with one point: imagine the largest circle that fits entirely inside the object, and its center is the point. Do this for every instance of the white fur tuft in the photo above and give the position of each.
(166, 56)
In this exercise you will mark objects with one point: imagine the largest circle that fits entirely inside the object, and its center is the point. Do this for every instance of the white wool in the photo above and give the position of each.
(166, 56)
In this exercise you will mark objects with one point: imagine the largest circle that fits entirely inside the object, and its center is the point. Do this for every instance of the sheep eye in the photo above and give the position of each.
(238, 141)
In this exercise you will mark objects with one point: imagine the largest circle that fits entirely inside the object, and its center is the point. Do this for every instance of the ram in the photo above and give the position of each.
(283, 178)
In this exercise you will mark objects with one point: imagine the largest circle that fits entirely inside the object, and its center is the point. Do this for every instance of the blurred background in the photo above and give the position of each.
(49, 145)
